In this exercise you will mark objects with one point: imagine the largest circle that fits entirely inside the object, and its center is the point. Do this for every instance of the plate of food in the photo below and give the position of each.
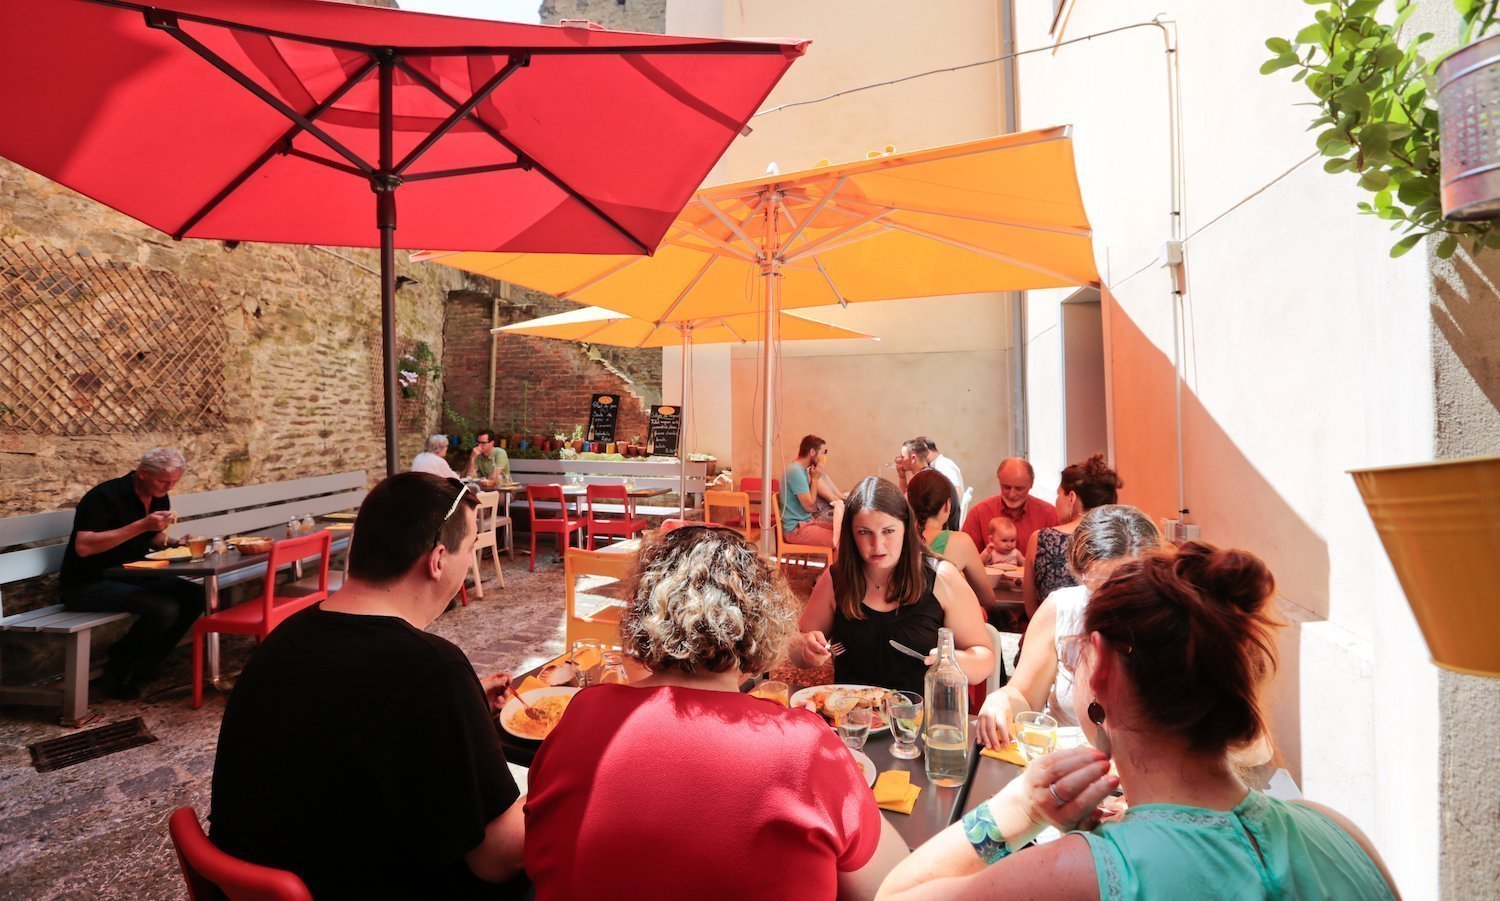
(865, 764)
(818, 696)
(171, 553)
(550, 701)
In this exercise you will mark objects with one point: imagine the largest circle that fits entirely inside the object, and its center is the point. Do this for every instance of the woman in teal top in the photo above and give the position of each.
(1174, 650)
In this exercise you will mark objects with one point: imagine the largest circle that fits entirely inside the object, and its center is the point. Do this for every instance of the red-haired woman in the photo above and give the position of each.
(893, 588)
(1174, 651)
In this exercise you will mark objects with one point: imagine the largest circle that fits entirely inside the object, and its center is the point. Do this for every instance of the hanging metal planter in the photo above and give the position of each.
(1469, 120)
(1440, 525)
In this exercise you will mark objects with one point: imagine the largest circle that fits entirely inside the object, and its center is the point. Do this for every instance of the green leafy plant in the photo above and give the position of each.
(1376, 117)
(421, 363)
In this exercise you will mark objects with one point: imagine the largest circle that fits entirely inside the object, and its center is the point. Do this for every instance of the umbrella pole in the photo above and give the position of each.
(385, 219)
(771, 275)
(682, 458)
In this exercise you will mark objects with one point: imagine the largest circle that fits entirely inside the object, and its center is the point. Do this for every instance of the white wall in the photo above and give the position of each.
(1305, 355)
(709, 425)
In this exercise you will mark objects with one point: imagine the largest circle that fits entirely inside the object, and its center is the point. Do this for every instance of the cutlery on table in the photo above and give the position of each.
(908, 651)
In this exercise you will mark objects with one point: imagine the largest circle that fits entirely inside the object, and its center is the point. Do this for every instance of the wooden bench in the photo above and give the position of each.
(641, 473)
(39, 540)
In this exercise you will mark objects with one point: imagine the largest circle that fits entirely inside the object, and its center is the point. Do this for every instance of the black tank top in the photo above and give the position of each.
(869, 658)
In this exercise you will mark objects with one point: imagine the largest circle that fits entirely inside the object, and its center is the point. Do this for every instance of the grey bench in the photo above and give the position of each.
(221, 512)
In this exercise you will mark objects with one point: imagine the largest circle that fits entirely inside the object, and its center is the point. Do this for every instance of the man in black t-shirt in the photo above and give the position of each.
(117, 522)
(357, 750)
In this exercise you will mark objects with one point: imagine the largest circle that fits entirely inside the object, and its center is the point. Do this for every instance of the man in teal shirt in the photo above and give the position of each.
(799, 496)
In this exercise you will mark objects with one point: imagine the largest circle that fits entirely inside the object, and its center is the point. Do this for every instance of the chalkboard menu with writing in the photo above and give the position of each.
(603, 411)
(665, 430)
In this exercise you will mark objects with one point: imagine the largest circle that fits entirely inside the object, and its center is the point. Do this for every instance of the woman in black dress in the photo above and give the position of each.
(884, 586)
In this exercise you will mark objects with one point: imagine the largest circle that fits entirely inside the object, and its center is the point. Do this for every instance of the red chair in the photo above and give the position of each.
(624, 525)
(212, 875)
(562, 525)
(751, 485)
(258, 618)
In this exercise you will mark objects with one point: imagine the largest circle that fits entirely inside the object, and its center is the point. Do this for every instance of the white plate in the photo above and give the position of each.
(513, 707)
(865, 764)
(807, 693)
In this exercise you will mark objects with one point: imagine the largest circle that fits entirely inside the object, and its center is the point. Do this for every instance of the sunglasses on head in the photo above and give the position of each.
(463, 489)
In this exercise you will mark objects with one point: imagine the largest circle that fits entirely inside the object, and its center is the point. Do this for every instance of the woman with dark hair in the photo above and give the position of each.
(1083, 487)
(892, 589)
(1175, 650)
(931, 497)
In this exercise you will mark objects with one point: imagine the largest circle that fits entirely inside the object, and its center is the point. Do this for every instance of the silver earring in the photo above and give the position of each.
(1101, 737)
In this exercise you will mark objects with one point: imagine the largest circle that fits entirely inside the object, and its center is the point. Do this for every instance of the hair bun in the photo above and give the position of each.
(1097, 469)
(1229, 575)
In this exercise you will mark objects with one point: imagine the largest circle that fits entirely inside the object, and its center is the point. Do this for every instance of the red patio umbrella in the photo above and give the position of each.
(302, 121)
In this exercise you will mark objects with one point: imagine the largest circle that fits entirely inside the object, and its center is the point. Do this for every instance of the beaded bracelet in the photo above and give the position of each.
(984, 835)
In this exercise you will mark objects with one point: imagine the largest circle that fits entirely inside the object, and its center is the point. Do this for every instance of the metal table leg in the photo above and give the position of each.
(211, 604)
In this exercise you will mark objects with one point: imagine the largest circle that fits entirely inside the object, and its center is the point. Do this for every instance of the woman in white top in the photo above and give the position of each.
(1105, 538)
(432, 459)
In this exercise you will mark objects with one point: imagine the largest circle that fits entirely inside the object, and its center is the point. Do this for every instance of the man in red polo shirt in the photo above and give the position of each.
(1014, 502)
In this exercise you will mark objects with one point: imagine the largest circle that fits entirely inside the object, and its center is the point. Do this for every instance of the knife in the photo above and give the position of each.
(908, 651)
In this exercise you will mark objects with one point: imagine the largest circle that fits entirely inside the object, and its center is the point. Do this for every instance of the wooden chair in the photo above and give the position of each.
(212, 875)
(625, 525)
(487, 520)
(603, 624)
(258, 618)
(786, 550)
(751, 485)
(562, 525)
(738, 505)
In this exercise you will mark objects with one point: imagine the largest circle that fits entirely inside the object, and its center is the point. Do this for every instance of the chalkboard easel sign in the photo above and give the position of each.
(604, 409)
(664, 430)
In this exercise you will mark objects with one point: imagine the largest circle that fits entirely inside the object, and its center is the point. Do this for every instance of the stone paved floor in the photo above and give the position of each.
(98, 829)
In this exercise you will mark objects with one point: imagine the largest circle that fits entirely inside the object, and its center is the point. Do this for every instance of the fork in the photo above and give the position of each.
(837, 648)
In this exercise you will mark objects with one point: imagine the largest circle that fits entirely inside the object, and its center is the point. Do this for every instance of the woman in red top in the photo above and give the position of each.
(679, 786)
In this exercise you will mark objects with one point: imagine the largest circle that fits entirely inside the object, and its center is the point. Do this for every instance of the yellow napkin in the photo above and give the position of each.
(147, 564)
(891, 786)
(1009, 754)
(906, 804)
(347, 517)
(340, 527)
(529, 683)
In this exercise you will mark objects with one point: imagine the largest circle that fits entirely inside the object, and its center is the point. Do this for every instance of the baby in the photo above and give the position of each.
(1002, 547)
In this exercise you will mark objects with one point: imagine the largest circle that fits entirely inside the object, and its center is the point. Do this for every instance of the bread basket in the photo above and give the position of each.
(251, 545)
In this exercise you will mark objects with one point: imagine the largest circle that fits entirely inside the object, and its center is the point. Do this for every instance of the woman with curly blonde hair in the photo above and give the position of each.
(679, 786)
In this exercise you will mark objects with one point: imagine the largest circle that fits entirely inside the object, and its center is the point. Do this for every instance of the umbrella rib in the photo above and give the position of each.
(510, 145)
(672, 307)
(817, 208)
(590, 282)
(281, 144)
(467, 170)
(729, 328)
(829, 279)
(982, 251)
(735, 227)
(168, 23)
(729, 248)
(1071, 231)
(462, 112)
(837, 238)
(322, 161)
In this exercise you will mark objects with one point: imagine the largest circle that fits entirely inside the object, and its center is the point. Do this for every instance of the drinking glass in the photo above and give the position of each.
(904, 710)
(854, 727)
(773, 691)
(614, 669)
(1036, 734)
(838, 705)
(198, 546)
(584, 651)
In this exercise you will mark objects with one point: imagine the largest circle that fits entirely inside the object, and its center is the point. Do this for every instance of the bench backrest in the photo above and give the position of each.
(224, 511)
(643, 474)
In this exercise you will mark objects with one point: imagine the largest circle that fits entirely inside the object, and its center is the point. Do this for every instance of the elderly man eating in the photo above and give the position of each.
(119, 521)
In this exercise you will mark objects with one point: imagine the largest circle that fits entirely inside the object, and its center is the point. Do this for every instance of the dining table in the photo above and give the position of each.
(216, 568)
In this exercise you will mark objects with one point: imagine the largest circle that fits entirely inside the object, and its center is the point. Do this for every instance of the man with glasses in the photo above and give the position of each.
(488, 460)
(358, 750)
(803, 486)
(118, 522)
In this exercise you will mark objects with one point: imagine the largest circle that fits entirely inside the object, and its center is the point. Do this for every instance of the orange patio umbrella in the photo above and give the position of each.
(596, 325)
(1000, 214)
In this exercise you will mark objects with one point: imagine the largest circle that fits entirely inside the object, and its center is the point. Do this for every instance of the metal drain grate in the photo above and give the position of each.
(70, 749)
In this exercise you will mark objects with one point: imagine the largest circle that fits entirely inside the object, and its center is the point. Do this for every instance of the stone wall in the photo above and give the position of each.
(617, 15)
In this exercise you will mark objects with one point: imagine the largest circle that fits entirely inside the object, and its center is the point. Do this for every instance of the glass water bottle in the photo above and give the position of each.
(947, 728)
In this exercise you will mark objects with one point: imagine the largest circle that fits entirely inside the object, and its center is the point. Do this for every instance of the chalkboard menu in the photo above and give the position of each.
(664, 430)
(604, 409)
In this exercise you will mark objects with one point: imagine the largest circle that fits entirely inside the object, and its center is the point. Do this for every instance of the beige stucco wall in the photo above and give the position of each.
(931, 350)
(1307, 352)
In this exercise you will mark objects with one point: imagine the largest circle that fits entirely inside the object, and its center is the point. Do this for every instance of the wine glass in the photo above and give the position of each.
(854, 727)
(1036, 734)
(587, 656)
(904, 710)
